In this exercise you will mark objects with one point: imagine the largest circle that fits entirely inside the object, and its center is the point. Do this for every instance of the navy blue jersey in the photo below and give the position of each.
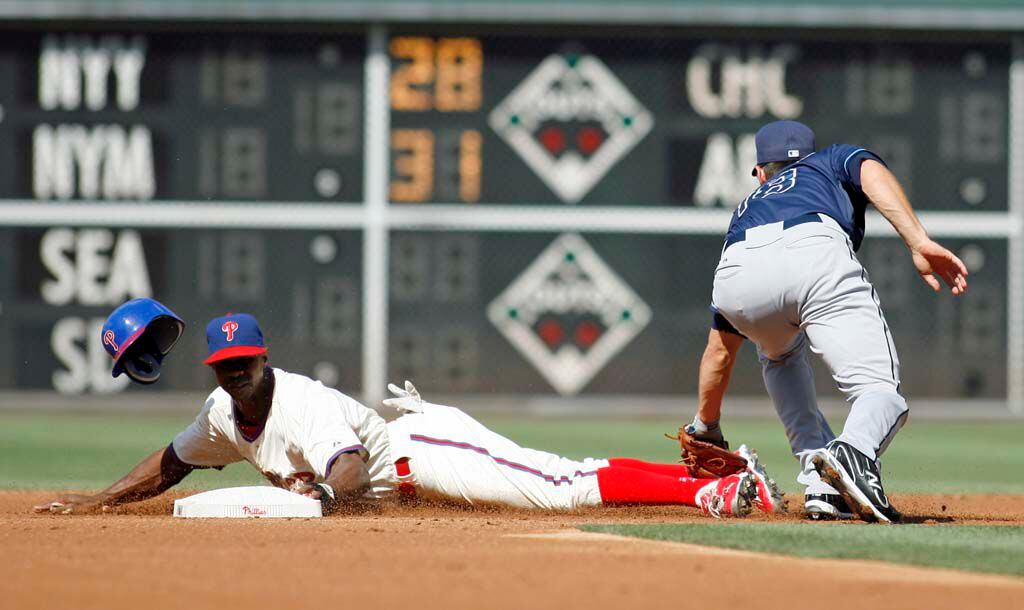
(826, 182)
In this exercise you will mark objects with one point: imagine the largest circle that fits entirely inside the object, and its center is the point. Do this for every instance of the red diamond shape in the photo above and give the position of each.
(551, 332)
(587, 333)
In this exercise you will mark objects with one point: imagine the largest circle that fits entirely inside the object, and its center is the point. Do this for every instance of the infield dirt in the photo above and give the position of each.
(429, 557)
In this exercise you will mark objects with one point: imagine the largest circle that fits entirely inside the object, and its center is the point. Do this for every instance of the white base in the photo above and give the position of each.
(247, 502)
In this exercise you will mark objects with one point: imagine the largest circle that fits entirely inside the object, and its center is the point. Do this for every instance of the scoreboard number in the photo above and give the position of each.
(454, 156)
(974, 127)
(234, 77)
(440, 75)
(233, 162)
(443, 268)
(238, 272)
(882, 86)
(413, 178)
(326, 118)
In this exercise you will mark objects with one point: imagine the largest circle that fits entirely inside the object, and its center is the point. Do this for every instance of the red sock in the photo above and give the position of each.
(674, 470)
(619, 485)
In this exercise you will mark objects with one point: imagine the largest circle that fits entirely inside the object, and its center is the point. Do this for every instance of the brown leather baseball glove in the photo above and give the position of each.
(707, 461)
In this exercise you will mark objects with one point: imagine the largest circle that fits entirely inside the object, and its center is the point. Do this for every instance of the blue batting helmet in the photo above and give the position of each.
(138, 335)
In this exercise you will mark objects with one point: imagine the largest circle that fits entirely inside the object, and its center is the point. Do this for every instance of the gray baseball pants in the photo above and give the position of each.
(788, 290)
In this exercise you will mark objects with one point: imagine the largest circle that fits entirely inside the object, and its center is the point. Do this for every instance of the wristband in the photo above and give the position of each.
(328, 501)
(698, 426)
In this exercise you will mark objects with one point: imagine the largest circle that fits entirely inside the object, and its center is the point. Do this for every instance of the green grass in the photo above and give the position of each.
(90, 451)
(926, 457)
(995, 549)
(76, 451)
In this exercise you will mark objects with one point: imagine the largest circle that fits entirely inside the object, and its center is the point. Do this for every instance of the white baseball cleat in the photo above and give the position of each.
(769, 498)
(732, 495)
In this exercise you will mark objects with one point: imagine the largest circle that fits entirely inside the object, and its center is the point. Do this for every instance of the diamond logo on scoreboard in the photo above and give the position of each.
(571, 120)
(569, 314)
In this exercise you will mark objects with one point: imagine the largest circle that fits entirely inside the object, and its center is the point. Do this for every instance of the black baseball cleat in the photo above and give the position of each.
(826, 507)
(857, 479)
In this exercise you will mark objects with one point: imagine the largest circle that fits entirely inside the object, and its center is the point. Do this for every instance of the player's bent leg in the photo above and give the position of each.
(851, 335)
(875, 418)
(850, 462)
(844, 323)
(790, 384)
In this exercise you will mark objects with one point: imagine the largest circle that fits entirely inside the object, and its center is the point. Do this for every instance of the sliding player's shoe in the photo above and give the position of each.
(769, 497)
(732, 495)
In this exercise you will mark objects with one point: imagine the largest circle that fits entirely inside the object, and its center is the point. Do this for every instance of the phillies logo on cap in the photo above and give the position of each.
(234, 336)
(108, 338)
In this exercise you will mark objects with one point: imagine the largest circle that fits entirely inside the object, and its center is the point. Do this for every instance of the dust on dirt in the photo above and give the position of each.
(427, 557)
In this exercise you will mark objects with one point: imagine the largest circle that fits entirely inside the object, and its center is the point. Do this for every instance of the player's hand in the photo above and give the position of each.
(931, 259)
(301, 487)
(324, 493)
(407, 399)
(77, 504)
(709, 434)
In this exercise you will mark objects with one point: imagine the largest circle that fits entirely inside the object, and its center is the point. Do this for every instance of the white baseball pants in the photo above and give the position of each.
(454, 457)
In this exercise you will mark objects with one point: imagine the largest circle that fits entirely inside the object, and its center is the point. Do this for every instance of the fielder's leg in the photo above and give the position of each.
(753, 289)
(845, 325)
(853, 338)
(790, 383)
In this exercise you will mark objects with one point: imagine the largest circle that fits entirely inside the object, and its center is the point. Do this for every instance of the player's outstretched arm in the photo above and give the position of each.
(930, 258)
(348, 480)
(715, 371)
(154, 475)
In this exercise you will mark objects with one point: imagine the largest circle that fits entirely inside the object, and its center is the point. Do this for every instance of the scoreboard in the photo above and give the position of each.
(191, 116)
(263, 120)
(668, 120)
(657, 119)
(304, 286)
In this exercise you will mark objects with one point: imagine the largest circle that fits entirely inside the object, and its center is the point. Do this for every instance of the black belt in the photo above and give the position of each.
(786, 224)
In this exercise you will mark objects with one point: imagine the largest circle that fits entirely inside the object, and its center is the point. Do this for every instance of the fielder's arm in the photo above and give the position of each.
(885, 192)
(154, 475)
(715, 370)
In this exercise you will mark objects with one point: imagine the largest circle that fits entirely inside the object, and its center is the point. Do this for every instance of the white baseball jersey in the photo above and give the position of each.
(308, 427)
(450, 455)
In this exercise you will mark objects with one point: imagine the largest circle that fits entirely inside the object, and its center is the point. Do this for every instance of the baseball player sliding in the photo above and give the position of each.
(788, 280)
(319, 442)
